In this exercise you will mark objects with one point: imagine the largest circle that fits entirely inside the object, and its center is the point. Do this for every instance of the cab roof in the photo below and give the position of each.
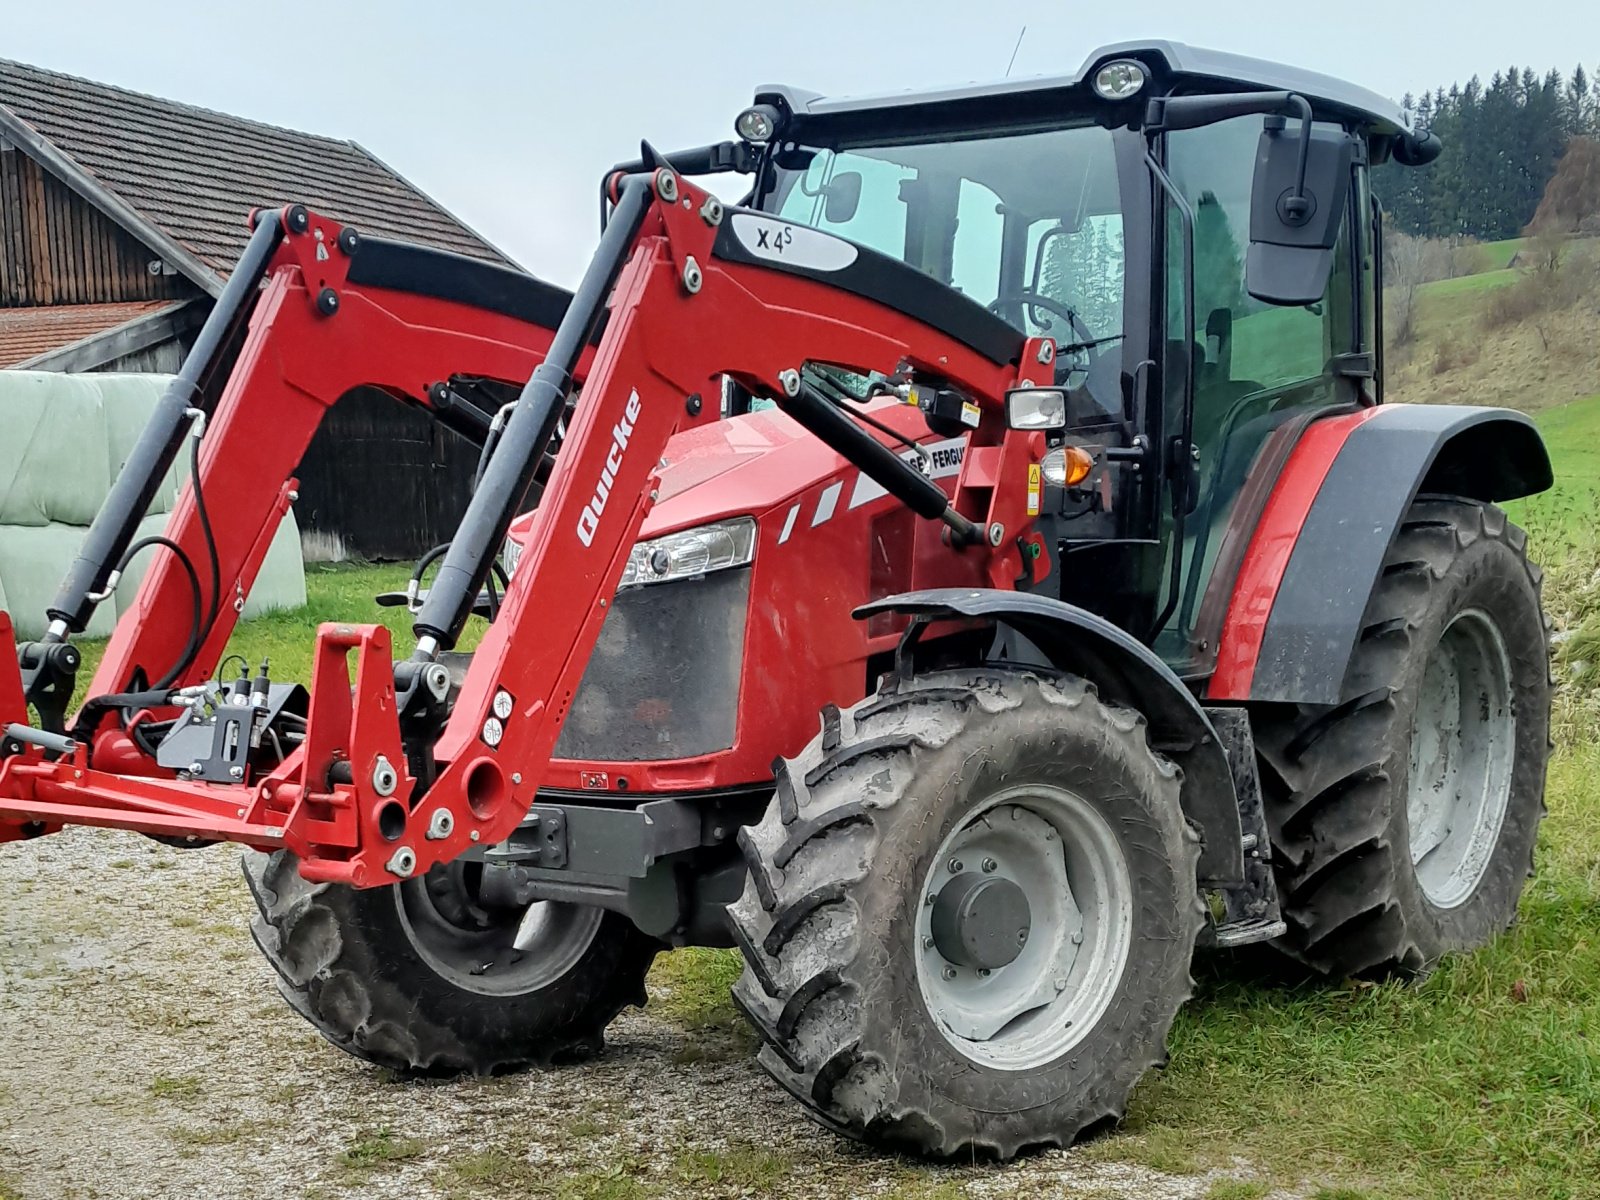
(1173, 65)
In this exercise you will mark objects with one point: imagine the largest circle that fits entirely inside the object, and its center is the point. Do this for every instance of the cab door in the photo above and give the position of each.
(1262, 372)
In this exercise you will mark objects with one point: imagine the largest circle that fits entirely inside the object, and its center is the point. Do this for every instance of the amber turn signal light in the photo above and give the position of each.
(1067, 466)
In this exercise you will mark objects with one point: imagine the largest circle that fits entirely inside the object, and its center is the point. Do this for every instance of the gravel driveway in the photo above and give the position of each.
(144, 1052)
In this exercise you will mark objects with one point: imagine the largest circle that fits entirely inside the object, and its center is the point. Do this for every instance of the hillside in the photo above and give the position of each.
(1521, 337)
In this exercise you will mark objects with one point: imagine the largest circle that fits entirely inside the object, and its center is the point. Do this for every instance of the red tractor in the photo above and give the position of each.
(1031, 434)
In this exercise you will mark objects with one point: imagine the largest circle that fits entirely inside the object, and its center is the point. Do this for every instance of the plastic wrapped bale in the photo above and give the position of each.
(68, 436)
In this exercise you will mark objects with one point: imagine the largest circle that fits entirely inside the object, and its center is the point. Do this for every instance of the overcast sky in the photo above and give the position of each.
(508, 112)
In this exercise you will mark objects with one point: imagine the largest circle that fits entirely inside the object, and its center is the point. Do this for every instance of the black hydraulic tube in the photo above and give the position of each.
(527, 434)
(136, 484)
(899, 478)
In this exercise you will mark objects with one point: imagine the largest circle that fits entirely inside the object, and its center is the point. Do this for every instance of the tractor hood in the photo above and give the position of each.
(745, 466)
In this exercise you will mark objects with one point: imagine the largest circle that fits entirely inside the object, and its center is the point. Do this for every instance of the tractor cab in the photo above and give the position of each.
(1195, 231)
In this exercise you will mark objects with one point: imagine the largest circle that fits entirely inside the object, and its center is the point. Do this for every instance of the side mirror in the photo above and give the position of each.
(1302, 184)
(841, 196)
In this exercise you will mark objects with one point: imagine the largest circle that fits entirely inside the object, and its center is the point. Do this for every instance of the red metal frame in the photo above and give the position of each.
(662, 344)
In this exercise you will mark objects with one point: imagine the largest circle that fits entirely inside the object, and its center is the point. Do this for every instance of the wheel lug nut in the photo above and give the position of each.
(932, 896)
(1077, 938)
(1022, 936)
(955, 866)
(927, 943)
(983, 972)
(949, 972)
(990, 866)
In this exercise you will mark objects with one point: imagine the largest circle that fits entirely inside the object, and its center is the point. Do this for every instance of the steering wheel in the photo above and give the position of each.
(1037, 300)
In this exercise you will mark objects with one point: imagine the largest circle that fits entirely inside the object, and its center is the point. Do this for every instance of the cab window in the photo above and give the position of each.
(1028, 225)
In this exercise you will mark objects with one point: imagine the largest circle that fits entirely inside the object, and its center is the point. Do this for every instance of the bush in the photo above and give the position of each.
(1451, 355)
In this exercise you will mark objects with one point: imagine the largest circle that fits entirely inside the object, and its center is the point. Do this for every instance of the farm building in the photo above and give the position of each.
(121, 215)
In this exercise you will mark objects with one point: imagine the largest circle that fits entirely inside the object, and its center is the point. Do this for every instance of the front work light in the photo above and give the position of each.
(757, 124)
(1042, 409)
(1119, 80)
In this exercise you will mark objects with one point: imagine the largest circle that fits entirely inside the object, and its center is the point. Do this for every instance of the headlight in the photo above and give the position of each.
(510, 556)
(691, 552)
(682, 555)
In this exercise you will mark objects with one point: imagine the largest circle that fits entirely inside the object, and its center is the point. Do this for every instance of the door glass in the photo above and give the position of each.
(1256, 365)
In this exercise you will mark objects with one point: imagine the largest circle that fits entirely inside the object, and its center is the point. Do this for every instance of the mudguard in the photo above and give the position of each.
(1314, 557)
(1126, 672)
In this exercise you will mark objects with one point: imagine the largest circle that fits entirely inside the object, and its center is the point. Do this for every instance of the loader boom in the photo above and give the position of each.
(386, 782)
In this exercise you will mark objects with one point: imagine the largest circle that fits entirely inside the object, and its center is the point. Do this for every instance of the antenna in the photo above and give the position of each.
(1020, 34)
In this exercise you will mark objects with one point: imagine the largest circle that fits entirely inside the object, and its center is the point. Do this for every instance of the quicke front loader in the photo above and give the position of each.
(1031, 434)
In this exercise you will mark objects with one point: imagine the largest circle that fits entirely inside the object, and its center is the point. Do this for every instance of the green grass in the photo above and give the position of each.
(342, 593)
(1566, 514)
(179, 1087)
(1493, 256)
(375, 1148)
(495, 1172)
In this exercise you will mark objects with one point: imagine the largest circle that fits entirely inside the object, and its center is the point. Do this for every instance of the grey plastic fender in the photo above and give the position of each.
(1406, 450)
(1126, 672)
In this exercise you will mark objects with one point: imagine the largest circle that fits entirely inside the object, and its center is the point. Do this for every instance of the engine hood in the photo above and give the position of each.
(744, 466)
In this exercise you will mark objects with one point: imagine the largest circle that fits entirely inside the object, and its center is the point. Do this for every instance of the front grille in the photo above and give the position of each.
(664, 679)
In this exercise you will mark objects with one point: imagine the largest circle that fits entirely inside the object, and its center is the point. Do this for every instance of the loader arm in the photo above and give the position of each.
(387, 782)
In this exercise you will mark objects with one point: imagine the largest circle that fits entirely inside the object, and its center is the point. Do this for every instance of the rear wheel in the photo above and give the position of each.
(422, 976)
(970, 914)
(1403, 820)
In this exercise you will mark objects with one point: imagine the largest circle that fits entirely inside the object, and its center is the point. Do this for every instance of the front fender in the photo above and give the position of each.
(1126, 672)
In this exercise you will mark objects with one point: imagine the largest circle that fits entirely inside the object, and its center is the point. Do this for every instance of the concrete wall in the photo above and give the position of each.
(63, 438)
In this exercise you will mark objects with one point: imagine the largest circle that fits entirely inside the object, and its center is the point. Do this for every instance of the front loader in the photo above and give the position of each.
(965, 575)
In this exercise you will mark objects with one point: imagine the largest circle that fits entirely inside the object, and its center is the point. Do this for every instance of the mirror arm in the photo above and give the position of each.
(1298, 206)
(1167, 113)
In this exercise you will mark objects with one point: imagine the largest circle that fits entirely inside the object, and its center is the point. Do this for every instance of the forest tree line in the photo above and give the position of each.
(1502, 145)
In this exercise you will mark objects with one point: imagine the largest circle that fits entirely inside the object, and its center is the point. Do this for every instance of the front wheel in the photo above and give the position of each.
(422, 976)
(970, 914)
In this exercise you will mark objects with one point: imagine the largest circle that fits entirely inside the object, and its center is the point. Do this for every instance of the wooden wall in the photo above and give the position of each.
(55, 248)
(385, 477)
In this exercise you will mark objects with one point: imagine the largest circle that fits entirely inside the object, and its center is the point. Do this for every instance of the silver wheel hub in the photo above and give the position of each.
(1463, 743)
(1024, 927)
(491, 949)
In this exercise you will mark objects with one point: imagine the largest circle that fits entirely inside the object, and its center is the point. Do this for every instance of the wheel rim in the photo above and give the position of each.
(1065, 859)
(1463, 740)
(491, 950)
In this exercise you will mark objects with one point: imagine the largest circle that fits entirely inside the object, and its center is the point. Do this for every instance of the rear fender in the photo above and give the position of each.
(1126, 672)
(1302, 590)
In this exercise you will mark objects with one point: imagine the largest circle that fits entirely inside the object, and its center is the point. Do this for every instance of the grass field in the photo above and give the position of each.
(1484, 1080)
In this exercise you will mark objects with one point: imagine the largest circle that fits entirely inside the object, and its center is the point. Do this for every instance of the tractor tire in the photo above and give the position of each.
(1403, 819)
(415, 977)
(945, 783)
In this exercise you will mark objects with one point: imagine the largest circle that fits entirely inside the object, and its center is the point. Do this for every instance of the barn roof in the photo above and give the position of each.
(28, 333)
(183, 179)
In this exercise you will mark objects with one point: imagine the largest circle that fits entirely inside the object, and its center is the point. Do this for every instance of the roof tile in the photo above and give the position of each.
(195, 174)
(29, 332)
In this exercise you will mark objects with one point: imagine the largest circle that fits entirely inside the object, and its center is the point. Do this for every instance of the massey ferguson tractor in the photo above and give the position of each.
(1031, 434)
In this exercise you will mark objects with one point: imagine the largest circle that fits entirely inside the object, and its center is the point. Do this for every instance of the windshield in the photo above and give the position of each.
(1029, 225)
